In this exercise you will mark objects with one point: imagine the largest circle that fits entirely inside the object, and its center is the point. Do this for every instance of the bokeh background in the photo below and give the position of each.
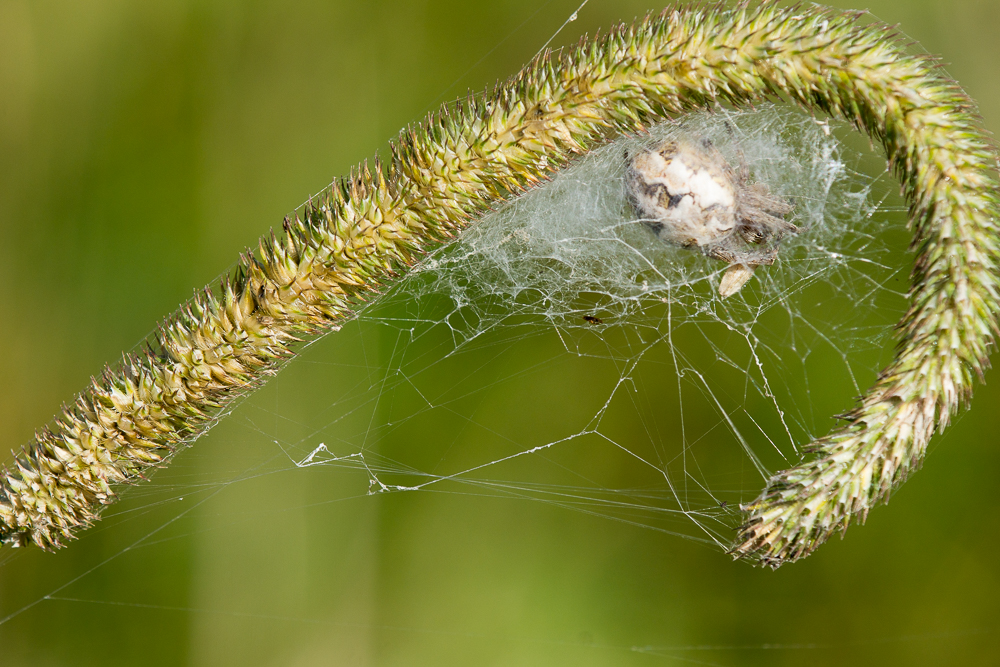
(143, 144)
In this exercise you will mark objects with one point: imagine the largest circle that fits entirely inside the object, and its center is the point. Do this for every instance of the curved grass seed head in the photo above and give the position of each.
(367, 229)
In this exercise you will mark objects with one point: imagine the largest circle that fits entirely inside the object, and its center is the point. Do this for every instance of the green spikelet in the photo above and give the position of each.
(369, 227)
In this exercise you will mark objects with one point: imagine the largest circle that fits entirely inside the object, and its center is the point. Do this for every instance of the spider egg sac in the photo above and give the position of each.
(685, 191)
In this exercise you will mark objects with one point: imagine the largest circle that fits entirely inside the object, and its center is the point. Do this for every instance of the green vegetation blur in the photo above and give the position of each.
(145, 143)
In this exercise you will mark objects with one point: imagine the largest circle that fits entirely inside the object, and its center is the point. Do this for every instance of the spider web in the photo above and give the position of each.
(558, 352)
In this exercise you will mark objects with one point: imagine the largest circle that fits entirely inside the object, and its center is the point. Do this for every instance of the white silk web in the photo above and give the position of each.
(558, 352)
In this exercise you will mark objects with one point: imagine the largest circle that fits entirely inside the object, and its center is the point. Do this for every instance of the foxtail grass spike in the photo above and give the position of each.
(368, 228)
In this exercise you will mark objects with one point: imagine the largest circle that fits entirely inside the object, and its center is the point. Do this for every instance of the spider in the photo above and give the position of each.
(691, 197)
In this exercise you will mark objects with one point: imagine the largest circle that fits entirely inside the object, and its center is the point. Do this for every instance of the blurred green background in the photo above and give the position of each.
(143, 144)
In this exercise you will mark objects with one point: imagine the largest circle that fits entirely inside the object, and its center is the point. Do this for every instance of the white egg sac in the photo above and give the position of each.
(685, 191)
